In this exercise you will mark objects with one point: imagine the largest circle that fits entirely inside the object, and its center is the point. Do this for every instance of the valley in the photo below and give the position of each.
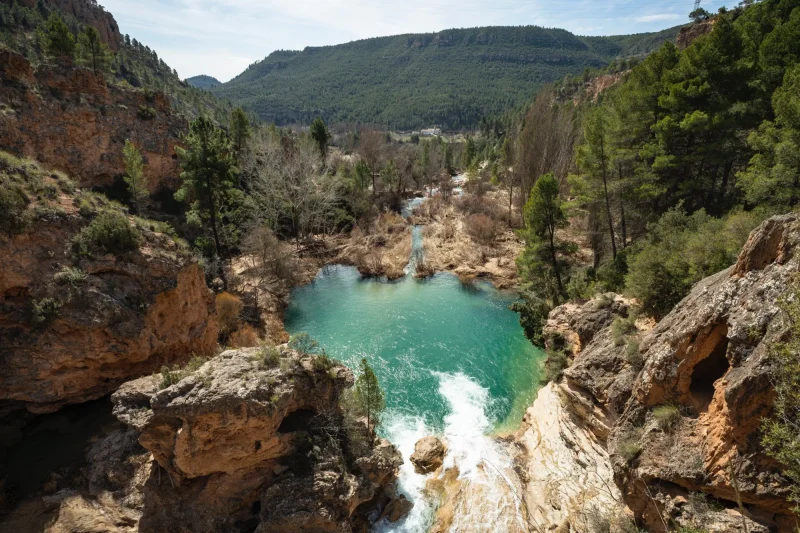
(289, 303)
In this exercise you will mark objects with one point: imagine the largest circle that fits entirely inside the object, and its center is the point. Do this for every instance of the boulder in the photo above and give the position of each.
(428, 455)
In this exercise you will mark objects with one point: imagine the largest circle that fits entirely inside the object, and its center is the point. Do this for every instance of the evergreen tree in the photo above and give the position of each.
(368, 396)
(321, 136)
(209, 185)
(92, 51)
(542, 263)
(56, 37)
(134, 176)
(543, 256)
(240, 130)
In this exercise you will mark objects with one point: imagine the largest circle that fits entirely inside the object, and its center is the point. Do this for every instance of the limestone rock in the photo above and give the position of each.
(709, 358)
(131, 315)
(59, 101)
(240, 445)
(428, 455)
(397, 509)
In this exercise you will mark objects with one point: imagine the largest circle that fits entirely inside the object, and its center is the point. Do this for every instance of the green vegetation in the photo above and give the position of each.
(781, 433)
(673, 166)
(458, 76)
(70, 276)
(134, 176)
(110, 233)
(667, 416)
(44, 31)
(268, 356)
(321, 135)
(209, 190)
(56, 38)
(368, 396)
(304, 344)
(45, 310)
(92, 51)
(543, 258)
(171, 376)
(203, 82)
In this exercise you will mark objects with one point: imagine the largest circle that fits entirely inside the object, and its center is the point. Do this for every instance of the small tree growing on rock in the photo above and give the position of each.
(134, 176)
(368, 396)
(56, 38)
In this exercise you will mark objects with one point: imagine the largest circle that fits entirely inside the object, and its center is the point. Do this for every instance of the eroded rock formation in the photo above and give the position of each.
(71, 120)
(74, 329)
(253, 444)
(428, 455)
(709, 359)
(662, 424)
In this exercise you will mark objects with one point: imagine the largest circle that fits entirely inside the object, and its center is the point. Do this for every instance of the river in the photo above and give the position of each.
(453, 362)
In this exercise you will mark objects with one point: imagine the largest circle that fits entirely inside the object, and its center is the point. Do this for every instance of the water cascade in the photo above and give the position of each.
(453, 362)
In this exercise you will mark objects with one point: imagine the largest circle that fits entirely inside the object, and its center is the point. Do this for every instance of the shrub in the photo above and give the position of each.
(304, 343)
(110, 232)
(45, 310)
(244, 337)
(268, 356)
(621, 328)
(554, 365)
(13, 208)
(229, 308)
(481, 228)
(679, 251)
(632, 354)
(146, 112)
(780, 432)
(172, 376)
(69, 276)
(629, 448)
(667, 416)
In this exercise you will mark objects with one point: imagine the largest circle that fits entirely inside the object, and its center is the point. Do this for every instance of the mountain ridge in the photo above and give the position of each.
(450, 78)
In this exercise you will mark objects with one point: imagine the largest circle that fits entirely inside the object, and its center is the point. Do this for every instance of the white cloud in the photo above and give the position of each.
(658, 17)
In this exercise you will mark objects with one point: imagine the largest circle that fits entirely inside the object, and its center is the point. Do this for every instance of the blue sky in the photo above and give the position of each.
(221, 38)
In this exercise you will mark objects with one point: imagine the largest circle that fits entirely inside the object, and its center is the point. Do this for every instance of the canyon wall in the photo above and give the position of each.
(660, 426)
(72, 120)
(73, 328)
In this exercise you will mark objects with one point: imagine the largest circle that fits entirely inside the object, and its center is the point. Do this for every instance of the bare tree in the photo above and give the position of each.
(547, 141)
(288, 184)
(370, 148)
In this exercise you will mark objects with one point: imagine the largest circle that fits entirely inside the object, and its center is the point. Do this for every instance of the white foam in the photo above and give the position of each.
(404, 431)
(489, 501)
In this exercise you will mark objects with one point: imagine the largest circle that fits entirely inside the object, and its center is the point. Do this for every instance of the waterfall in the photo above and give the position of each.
(488, 499)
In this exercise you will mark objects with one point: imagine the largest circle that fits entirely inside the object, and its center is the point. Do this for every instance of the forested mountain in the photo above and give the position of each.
(452, 78)
(127, 61)
(203, 82)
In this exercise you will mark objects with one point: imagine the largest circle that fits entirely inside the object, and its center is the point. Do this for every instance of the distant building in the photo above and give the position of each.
(431, 132)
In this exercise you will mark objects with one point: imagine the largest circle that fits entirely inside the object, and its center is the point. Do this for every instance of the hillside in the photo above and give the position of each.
(203, 82)
(452, 78)
(132, 64)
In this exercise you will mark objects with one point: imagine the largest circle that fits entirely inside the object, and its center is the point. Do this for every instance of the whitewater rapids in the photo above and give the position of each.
(486, 495)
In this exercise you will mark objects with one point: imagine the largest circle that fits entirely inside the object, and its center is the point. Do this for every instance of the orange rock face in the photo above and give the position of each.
(130, 316)
(69, 119)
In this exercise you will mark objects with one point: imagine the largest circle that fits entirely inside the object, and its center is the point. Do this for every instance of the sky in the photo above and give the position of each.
(221, 38)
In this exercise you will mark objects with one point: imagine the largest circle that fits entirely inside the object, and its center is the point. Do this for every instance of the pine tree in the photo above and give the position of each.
(57, 38)
(92, 51)
(134, 176)
(240, 130)
(369, 396)
(209, 184)
(321, 136)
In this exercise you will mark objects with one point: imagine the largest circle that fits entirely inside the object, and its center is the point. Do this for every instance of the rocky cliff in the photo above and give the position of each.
(659, 426)
(73, 121)
(89, 12)
(254, 440)
(75, 325)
